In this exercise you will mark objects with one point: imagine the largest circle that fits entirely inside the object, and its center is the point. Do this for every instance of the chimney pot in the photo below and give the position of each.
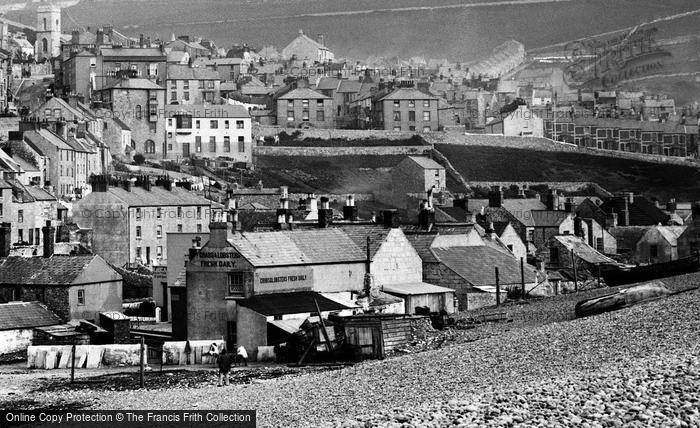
(391, 219)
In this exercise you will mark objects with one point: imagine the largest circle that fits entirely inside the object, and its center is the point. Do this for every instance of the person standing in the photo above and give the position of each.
(224, 363)
(242, 355)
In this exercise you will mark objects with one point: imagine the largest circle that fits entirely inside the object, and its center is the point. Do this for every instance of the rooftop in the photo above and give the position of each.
(56, 270)
(303, 93)
(291, 303)
(26, 315)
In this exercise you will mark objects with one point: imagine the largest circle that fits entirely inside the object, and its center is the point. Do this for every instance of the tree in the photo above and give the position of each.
(139, 159)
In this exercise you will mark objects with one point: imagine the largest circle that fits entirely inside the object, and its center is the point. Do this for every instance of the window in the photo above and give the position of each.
(530, 235)
(290, 104)
(212, 144)
(227, 144)
(199, 212)
(159, 251)
(201, 84)
(226, 124)
(241, 145)
(305, 115)
(159, 212)
(397, 104)
(197, 124)
(159, 231)
(20, 235)
(186, 96)
(31, 236)
(199, 228)
(235, 283)
(186, 85)
(426, 103)
(305, 104)
(139, 112)
(426, 116)
(210, 84)
(653, 251)
(179, 228)
(599, 244)
(173, 95)
(179, 212)
(290, 115)
(320, 116)
(149, 146)
(411, 103)
(138, 232)
(138, 213)
(214, 124)
(198, 144)
(239, 124)
(411, 116)
(397, 116)
(138, 253)
(81, 297)
(20, 216)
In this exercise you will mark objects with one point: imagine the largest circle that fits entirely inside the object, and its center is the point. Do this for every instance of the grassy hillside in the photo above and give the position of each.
(478, 163)
(337, 174)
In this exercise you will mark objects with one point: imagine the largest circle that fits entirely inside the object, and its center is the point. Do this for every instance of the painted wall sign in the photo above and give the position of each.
(280, 279)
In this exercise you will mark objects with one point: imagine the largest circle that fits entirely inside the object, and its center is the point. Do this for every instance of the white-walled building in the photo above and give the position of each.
(209, 131)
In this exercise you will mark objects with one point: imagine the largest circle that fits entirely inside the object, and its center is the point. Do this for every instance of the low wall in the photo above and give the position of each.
(567, 186)
(15, 340)
(174, 352)
(339, 151)
(86, 356)
(351, 134)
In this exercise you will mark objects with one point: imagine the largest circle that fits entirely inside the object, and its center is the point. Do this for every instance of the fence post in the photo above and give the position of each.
(522, 277)
(573, 263)
(72, 365)
(143, 359)
(498, 289)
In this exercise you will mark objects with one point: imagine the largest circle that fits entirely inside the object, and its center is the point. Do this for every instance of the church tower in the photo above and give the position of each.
(48, 32)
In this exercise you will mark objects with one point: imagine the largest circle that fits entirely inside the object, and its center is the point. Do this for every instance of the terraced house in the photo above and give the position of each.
(303, 107)
(191, 85)
(406, 109)
(209, 131)
(667, 139)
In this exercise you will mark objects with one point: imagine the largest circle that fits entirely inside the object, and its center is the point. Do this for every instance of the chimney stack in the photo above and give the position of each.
(611, 220)
(218, 234)
(282, 213)
(325, 214)
(578, 226)
(625, 213)
(570, 205)
(552, 200)
(49, 235)
(496, 197)
(100, 37)
(671, 206)
(426, 216)
(5, 239)
(696, 211)
(391, 219)
(350, 212)
(461, 202)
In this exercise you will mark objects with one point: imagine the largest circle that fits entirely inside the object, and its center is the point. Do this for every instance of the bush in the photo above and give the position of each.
(139, 159)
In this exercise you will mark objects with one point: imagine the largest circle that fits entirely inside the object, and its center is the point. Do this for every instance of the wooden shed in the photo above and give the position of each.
(422, 294)
(375, 335)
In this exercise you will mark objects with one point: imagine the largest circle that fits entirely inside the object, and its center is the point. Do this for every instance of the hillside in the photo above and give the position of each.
(479, 163)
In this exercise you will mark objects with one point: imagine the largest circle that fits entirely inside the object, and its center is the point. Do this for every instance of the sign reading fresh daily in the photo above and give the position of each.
(283, 279)
(218, 258)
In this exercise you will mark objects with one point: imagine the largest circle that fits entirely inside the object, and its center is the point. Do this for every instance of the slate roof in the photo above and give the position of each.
(582, 250)
(185, 72)
(298, 247)
(25, 315)
(328, 84)
(290, 303)
(425, 162)
(302, 93)
(546, 218)
(132, 52)
(642, 212)
(349, 86)
(30, 193)
(519, 209)
(452, 214)
(415, 288)
(476, 265)
(135, 83)
(56, 270)
(421, 242)
(407, 94)
(671, 233)
(138, 197)
(627, 237)
(359, 233)
(208, 111)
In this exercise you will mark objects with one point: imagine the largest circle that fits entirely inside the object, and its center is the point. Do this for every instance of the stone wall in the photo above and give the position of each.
(339, 151)
(86, 356)
(351, 134)
(15, 340)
